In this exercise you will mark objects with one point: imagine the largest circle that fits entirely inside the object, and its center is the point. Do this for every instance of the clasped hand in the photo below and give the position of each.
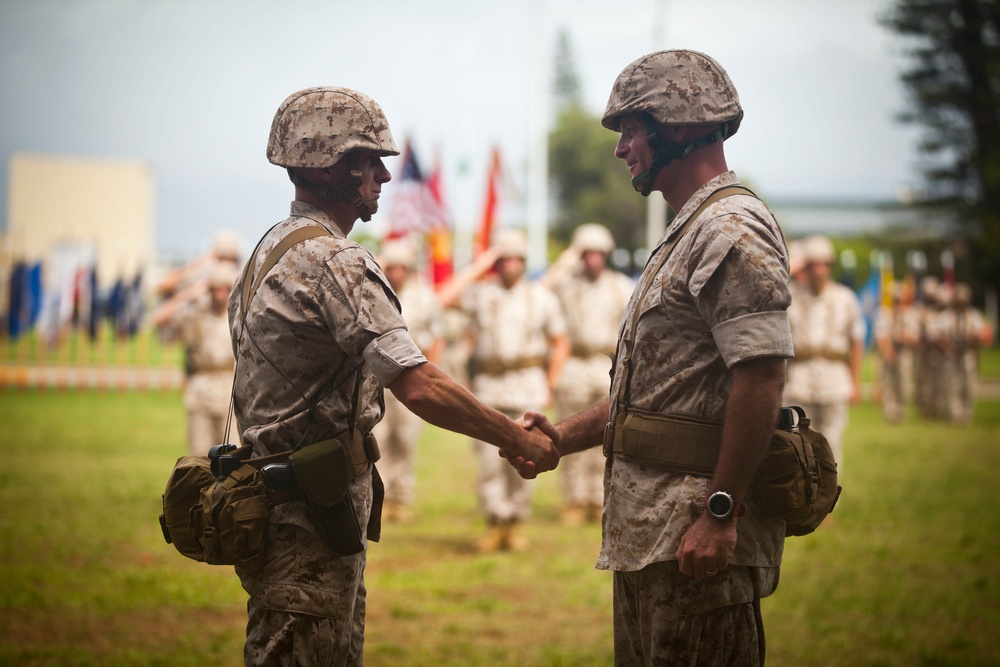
(540, 430)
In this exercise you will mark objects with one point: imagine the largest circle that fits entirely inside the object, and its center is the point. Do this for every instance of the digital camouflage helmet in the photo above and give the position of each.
(316, 127)
(676, 87)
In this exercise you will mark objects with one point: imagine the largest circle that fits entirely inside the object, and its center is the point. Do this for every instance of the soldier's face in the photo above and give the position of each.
(373, 175)
(632, 145)
(397, 275)
(510, 269)
(593, 262)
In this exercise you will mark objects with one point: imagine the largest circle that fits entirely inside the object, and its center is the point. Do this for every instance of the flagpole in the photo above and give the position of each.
(656, 210)
(538, 148)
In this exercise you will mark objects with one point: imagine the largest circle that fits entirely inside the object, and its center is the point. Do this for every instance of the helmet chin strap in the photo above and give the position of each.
(668, 151)
(346, 191)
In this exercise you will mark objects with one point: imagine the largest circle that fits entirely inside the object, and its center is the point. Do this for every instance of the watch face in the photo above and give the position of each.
(720, 504)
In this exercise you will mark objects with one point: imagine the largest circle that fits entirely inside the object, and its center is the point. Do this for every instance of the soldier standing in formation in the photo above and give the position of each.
(518, 351)
(197, 316)
(593, 298)
(825, 375)
(896, 334)
(703, 344)
(400, 429)
(953, 332)
(316, 343)
(972, 332)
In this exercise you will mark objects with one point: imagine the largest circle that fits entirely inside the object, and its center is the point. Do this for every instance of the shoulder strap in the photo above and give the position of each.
(648, 276)
(293, 237)
(248, 290)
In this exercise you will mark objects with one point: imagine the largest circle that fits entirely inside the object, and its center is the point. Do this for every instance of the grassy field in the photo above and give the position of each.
(908, 572)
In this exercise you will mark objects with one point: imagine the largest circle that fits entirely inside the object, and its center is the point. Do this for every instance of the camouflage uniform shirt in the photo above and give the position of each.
(719, 299)
(323, 310)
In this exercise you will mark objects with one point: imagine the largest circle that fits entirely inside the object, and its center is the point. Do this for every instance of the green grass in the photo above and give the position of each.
(908, 573)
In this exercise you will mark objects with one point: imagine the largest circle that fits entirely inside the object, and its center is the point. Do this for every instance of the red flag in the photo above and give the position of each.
(485, 234)
(415, 206)
(439, 238)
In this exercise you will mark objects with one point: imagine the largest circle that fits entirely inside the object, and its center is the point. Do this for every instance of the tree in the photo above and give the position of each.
(566, 86)
(954, 89)
(589, 182)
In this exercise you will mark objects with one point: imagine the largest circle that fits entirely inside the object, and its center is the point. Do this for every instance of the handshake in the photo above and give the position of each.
(538, 450)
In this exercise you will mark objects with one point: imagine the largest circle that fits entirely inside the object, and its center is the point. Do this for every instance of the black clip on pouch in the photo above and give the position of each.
(322, 473)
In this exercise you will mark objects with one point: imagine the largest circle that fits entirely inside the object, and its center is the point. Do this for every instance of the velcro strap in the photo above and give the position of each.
(679, 444)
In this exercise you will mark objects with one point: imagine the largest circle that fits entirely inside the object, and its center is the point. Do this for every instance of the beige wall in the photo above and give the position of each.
(56, 200)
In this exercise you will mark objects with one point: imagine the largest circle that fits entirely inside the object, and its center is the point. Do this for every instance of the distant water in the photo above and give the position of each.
(844, 219)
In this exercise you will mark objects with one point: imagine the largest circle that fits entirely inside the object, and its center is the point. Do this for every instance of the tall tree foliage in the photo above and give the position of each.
(953, 82)
(590, 183)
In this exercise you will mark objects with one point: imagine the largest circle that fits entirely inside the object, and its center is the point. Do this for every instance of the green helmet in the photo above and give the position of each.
(675, 87)
(316, 127)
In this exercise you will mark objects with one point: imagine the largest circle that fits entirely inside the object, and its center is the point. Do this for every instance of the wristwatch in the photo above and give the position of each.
(722, 506)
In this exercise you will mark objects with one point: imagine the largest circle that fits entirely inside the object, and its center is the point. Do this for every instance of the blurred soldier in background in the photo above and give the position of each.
(519, 348)
(593, 298)
(971, 332)
(198, 316)
(400, 429)
(226, 248)
(929, 367)
(828, 332)
(896, 335)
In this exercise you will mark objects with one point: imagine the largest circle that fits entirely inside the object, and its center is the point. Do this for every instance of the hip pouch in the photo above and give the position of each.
(321, 470)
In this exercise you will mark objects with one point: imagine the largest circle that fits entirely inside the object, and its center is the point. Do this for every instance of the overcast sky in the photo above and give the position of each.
(190, 87)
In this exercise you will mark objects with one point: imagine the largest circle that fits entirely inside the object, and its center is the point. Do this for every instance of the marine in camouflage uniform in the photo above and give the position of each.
(400, 429)
(829, 332)
(971, 333)
(710, 343)
(895, 335)
(519, 347)
(198, 315)
(318, 342)
(593, 298)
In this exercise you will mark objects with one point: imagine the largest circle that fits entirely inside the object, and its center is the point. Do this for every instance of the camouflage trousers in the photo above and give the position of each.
(663, 618)
(206, 399)
(503, 494)
(307, 604)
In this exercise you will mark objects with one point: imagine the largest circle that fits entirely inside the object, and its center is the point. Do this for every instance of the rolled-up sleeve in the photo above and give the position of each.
(392, 353)
(765, 334)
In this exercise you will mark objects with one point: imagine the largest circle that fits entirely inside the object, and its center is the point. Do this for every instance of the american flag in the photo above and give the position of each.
(417, 204)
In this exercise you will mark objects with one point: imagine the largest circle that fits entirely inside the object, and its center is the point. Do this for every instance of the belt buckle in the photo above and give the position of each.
(609, 439)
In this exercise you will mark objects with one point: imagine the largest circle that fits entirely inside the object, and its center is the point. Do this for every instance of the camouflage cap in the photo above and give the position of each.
(397, 252)
(315, 127)
(592, 236)
(510, 243)
(675, 87)
(223, 274)
(818, 249)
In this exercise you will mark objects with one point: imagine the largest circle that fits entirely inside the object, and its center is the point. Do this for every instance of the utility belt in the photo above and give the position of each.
(805, 354)
(320, 475)
(279, 477)
(587, 351)
(679, 444)
(498, 367)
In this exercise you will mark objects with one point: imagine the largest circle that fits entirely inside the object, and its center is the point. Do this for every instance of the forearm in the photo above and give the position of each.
(751, 414)
(436, 398)
(583, 430)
